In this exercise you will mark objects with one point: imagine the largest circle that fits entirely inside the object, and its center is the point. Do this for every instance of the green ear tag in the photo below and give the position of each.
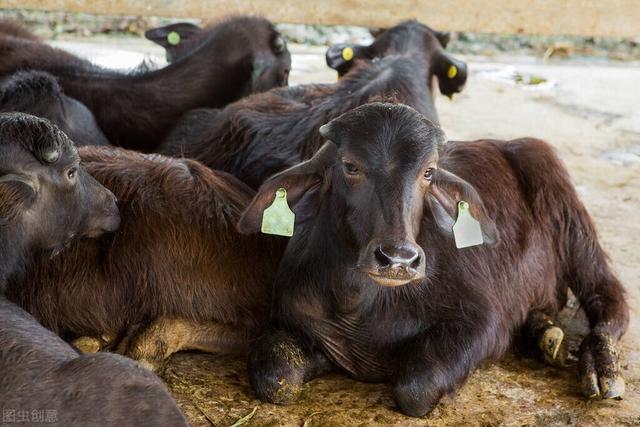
(173, 38)
(278, 219)
(466, 230)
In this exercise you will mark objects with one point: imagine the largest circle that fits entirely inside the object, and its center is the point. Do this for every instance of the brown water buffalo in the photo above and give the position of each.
(238, 56)
(373, 283)
(46, 201)
(175, 275)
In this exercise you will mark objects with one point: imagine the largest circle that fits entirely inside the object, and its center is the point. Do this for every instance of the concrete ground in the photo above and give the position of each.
(588, 110)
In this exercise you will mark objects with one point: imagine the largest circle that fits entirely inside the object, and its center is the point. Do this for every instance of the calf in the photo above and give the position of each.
(238, 56)
(177, 275)
(46, 200)
(372, 283)
(410, 38)
(38, 93)
(263, 134)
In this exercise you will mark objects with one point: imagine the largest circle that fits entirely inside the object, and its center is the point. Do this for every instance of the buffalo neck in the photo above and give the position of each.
(136, 110)
(13, 260)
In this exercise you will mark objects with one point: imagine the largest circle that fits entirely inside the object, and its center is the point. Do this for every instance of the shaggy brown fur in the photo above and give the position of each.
(177, 274)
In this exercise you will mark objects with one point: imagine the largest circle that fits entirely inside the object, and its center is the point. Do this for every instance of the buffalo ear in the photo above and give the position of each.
(172, 35)
(443, 37)
(304, 184)
(342, 56)
(451, 73)
(17, 192)
(377, 31)
(446, 191)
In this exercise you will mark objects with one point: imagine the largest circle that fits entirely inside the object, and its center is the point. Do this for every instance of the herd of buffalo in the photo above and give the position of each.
(131, 205)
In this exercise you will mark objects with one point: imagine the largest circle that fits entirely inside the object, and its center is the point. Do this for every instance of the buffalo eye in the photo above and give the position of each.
(72, 173)
(428, 174)
(351, 169)
(279, 45)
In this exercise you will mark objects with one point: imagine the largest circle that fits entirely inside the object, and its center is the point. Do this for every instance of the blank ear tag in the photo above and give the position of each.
(278, 219)
(466, 230)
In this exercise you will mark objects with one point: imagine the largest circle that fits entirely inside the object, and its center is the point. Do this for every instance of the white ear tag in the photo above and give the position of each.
(278, 219)
(466, 230)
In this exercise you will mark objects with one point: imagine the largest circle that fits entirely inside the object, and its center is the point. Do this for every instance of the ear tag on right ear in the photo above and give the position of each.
(278, 219)
(347, 53)
(173, 38)
(466, 230)
(452, 72)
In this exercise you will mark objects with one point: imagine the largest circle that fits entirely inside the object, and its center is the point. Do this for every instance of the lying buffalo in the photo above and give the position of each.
(176, 276)
(238, 56)
(373, 283)
(46, 201)
(265, 133)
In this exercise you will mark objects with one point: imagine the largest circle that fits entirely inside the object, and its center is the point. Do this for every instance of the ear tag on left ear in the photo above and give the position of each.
(452, 72)
(278, 219)
(173, 38)
(466, 230)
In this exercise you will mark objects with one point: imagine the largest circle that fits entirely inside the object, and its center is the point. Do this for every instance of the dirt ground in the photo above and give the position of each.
(588, 110)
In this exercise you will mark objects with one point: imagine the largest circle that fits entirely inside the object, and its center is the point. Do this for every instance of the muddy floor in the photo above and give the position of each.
(588, 110)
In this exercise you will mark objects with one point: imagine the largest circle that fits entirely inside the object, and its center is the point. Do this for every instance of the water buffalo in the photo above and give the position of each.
(372, 281)
(46, 201)
(408, 38)
(265, 133)
(239, 56)
(174, 277)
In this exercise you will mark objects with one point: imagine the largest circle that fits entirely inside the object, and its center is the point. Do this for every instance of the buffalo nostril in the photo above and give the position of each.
(382, 258)
(403, 256)
(416, 262)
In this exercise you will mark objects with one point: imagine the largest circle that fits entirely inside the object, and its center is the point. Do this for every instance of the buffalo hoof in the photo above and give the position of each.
(88, 344)
(553, 346)
(599, 367)
(413, 400)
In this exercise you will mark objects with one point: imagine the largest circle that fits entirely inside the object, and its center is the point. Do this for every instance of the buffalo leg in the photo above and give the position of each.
(91, 344)
(602, 298)
(155, 343)
(438, 362)
(548, 338)
(279, 364)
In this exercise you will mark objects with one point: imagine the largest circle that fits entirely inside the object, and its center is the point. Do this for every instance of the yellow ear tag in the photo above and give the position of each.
(452, 72)
(466, 230)
(173, 38)
(347, 54)
(278, 219)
